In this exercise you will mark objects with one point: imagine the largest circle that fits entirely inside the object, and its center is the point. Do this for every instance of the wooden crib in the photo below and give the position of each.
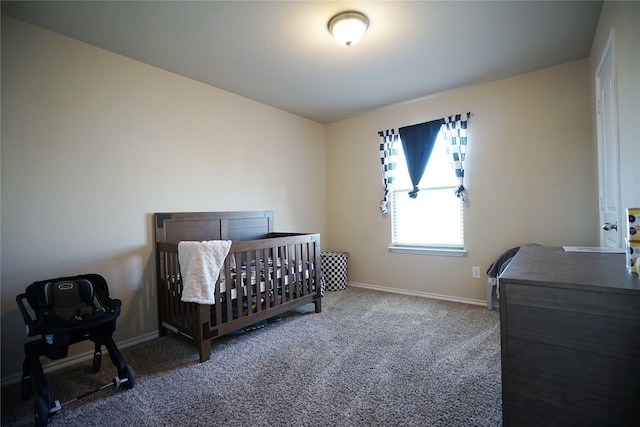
(264, 275)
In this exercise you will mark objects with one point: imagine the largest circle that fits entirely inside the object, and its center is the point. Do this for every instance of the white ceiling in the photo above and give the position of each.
(280, 53)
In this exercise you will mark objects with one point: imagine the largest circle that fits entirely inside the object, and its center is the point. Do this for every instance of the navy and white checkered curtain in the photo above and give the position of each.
(454, 131)
(388, 156)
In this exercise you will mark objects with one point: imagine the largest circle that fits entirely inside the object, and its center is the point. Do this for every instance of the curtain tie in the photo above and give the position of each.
(461, 193)
(414, 193)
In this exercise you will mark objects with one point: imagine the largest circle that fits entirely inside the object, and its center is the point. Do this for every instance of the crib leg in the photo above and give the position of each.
(318, 303)
(205, 350)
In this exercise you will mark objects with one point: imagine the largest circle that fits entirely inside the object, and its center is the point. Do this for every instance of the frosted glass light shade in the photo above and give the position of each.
(348, 27)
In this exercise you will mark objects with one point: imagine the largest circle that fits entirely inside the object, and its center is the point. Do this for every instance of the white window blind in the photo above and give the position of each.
(434, 219)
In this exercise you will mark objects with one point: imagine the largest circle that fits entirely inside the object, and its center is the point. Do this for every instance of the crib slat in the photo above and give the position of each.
(229, 285)
(303, 268)
(244, 291)
(161, 263)
(276, 285)
(173, 283)
(274, 298)
(257, 291)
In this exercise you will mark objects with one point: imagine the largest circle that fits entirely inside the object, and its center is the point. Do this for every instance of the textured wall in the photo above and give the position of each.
(529, 175)
(94, 143)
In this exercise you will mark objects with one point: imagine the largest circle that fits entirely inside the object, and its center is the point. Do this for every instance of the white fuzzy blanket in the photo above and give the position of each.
(200, 264)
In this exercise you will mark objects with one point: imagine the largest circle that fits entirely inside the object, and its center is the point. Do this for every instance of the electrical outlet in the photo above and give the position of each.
(475, 272)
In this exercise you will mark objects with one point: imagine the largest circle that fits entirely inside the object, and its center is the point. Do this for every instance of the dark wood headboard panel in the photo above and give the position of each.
(172, 227)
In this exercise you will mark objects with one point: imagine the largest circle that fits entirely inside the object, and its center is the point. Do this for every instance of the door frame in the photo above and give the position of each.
(608, 54)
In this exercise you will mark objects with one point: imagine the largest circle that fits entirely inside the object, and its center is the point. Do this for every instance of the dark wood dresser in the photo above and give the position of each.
(570, 335)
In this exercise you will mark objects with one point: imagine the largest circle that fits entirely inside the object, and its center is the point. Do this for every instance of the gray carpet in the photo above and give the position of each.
(369, 359)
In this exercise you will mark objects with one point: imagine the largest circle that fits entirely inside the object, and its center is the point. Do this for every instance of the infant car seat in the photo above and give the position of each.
(68, 310)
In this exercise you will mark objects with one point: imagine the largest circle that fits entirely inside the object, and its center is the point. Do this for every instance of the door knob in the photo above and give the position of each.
(608, 226)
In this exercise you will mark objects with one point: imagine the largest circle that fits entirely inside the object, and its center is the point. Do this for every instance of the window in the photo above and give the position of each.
(434, 219)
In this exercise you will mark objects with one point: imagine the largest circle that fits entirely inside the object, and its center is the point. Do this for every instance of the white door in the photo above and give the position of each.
(611, 222)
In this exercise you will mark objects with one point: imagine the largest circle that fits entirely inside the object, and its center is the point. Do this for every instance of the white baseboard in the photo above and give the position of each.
(54, 365)
(417, 293)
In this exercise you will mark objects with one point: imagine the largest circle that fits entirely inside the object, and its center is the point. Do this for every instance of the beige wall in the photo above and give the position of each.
(623, 18)
(94, 143)
(529, 175)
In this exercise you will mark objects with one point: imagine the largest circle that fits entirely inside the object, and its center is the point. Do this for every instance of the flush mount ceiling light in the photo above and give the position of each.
(348, 27)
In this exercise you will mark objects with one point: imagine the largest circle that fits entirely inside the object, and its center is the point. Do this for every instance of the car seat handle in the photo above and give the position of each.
(28, 320)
